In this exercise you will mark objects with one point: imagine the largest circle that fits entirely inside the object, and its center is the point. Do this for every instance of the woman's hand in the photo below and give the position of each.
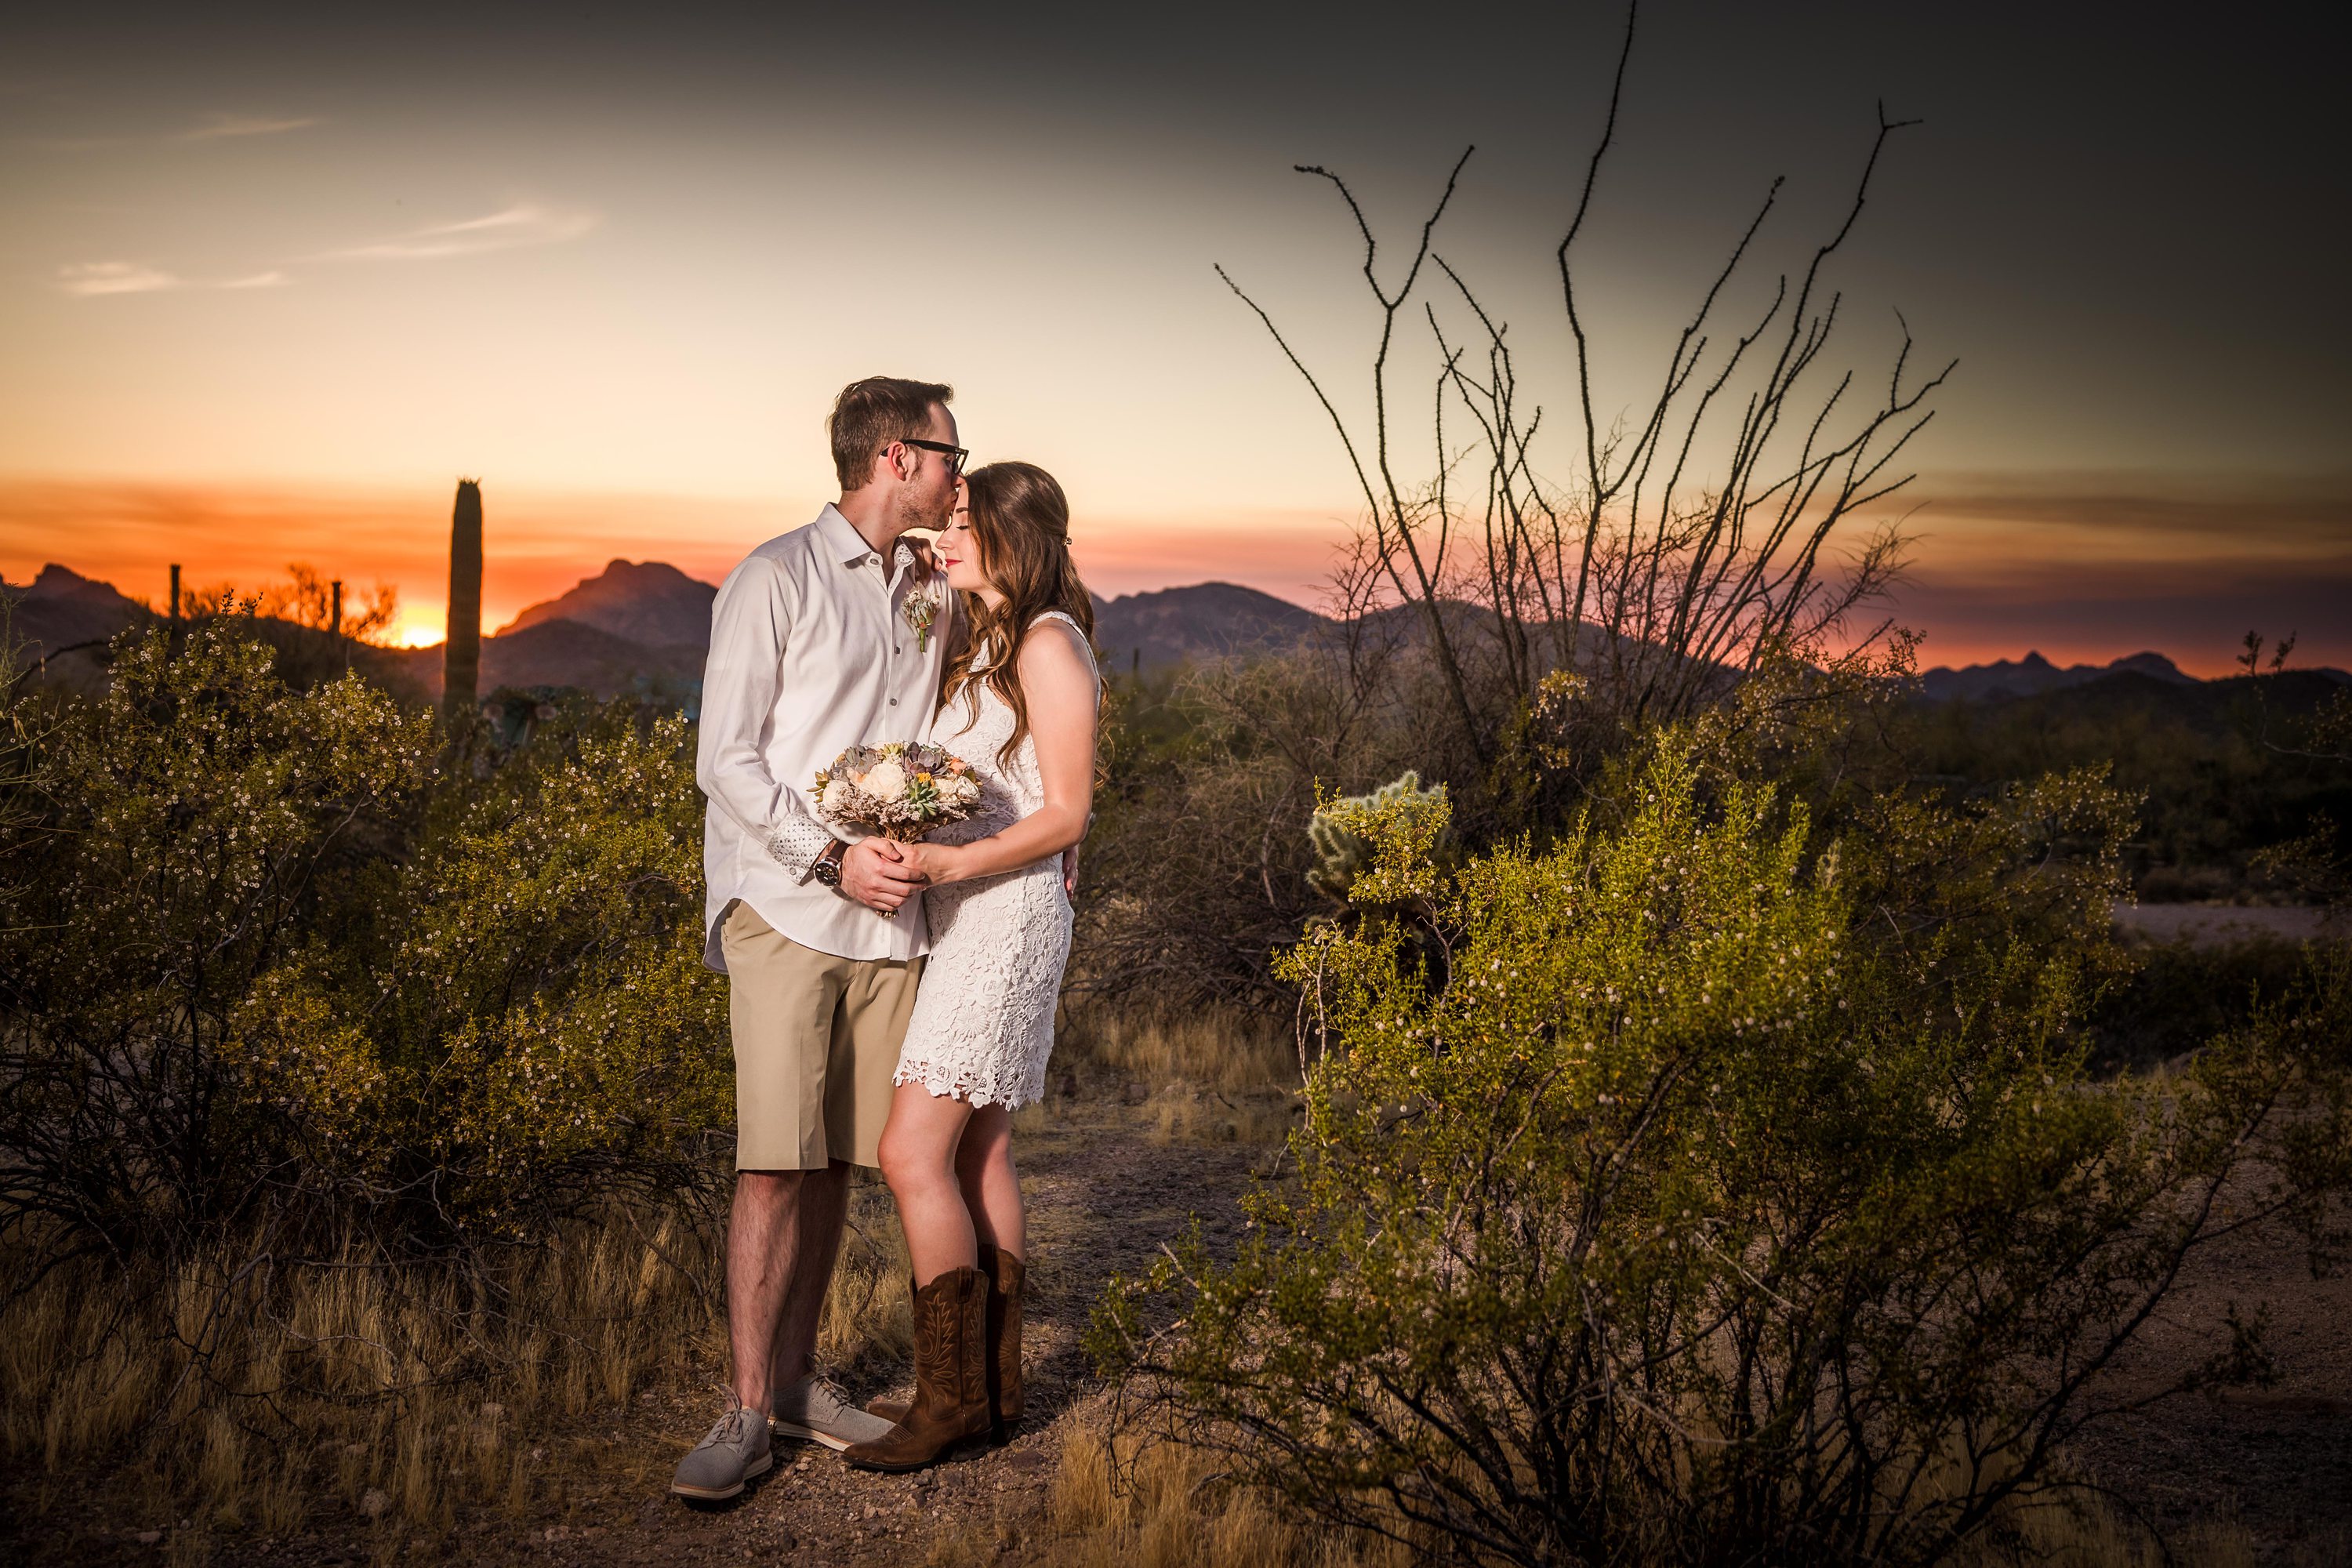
(937, 862)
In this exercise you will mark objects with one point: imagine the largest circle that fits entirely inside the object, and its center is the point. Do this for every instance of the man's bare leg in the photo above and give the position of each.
(824, 1205)
(765, 1228)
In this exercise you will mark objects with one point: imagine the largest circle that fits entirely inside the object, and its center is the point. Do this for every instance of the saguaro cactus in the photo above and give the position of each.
(461, 654)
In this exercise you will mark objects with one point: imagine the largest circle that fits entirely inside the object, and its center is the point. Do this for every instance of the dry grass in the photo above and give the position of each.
(252, 1400)
(868, 1315)
(1227, 1050)
(1208, 1076)
(385, 1406)
(1119, 1503)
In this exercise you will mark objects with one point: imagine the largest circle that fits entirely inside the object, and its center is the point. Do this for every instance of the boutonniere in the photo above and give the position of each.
(921, 608)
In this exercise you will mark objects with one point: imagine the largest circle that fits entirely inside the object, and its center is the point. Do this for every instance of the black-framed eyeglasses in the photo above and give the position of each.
(957, 456)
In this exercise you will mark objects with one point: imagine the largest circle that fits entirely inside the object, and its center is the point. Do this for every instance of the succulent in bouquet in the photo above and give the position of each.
(900, 790)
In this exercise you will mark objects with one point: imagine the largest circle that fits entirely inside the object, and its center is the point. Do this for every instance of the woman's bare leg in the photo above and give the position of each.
(991, 1187)
(919, 1161)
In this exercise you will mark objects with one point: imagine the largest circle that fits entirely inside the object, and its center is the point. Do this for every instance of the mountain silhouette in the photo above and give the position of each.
(2034, 675)
(568, 653)
(650, 603)
(60, 609)
(666, 615)
(644, 626)
(1207, 620)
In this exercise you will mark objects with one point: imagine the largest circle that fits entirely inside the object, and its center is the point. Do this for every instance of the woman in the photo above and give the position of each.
(1019, 704)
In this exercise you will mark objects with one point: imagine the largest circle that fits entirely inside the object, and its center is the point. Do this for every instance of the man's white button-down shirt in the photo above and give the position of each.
(810, 654)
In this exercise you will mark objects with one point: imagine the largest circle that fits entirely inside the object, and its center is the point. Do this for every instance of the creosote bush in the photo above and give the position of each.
(1703, 1188)
(356, 1083)
(271, 966)
(530, 1027)
(190, 827)
(1341, 853)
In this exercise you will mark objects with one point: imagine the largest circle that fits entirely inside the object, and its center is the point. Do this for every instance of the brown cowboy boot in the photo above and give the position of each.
(1006, 1276)
(951, 1402)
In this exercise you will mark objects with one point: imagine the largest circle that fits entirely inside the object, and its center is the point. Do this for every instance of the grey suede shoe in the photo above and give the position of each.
(735, 1450)
(814, 1410)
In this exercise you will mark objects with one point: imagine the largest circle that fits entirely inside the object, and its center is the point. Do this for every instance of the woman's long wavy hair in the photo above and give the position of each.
(1021, 524)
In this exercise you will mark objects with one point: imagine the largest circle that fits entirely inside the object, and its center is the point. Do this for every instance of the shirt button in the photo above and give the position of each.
(873, 561)
(894, 702)
(895, 648)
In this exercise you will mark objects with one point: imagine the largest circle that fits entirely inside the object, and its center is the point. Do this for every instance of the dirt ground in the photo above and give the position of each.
(2277, 1460)
(1103, 1195)
(2219, 925)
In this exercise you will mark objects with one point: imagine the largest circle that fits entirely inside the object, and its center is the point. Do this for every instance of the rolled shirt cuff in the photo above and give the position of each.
(796, 843)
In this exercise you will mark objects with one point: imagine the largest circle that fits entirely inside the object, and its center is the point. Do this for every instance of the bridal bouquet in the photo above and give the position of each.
(901, 790)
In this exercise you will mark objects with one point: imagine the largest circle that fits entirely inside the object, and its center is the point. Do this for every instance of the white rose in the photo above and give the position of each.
(888, 781)
(836, 795)
(967, 788)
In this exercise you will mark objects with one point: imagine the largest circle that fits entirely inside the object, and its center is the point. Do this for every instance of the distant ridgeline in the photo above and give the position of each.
(60, 610)
(645, 627)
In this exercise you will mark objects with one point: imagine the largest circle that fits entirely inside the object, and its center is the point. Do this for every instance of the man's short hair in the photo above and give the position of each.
(871, 414)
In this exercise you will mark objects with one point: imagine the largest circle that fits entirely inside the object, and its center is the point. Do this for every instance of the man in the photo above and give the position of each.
(812, 652)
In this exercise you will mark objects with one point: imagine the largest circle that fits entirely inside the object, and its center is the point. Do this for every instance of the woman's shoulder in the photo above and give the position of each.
(1065, 644)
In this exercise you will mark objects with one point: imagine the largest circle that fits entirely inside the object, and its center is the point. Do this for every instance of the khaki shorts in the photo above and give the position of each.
(816, 1039)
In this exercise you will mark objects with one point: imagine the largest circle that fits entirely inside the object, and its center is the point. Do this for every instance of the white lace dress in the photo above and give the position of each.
(983, 1024)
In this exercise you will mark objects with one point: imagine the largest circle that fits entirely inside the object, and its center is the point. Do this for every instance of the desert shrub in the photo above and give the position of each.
(2179, 995)
(2218, 788)
(1342, 854)
(190, 824)
(1715, 1193)
(527, 1027)
(349, 1076)
(268, 963)
(1195, 873)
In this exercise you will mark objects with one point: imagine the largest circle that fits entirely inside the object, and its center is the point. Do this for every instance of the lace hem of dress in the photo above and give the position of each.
(975, 1087)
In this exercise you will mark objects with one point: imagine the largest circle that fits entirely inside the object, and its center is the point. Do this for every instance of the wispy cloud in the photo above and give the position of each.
(215, 126)
(211, 127)
(2316, 512)
(89, 280)
(526, 222)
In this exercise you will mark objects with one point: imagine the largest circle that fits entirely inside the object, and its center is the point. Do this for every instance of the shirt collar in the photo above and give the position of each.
(845, 544)
(842, 543)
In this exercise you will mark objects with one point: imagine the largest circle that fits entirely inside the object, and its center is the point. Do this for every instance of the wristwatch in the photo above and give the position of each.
(826, 867)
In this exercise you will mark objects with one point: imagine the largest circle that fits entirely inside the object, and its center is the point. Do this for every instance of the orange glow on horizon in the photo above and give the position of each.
(415, 630)
(1993, 577)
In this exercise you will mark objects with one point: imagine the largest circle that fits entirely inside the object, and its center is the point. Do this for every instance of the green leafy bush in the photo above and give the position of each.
(1717, 1194)
(266, 963)
(1342, 852)
(191, 822)
(528, 1024)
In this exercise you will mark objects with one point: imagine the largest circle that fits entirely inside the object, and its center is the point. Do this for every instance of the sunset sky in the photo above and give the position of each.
(269, 285)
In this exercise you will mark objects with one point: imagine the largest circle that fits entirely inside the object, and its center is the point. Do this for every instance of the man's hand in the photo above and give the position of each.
(875, 873)
(1070, 871)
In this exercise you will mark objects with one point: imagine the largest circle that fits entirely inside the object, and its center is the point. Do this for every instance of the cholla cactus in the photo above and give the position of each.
(1343, 849)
